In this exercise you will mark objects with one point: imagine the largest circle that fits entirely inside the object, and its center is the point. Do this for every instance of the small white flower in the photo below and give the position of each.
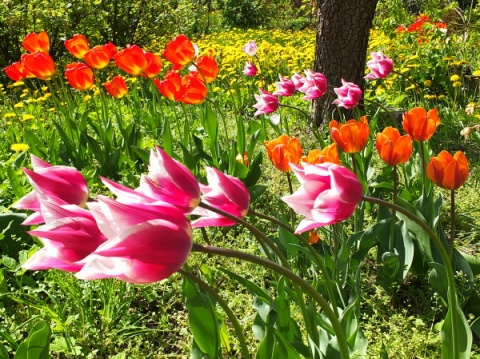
(275, 119)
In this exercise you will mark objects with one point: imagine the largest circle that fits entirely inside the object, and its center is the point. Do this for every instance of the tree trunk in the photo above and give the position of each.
(343, 28)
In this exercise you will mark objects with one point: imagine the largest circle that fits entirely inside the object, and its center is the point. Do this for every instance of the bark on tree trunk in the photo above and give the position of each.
(343, 28)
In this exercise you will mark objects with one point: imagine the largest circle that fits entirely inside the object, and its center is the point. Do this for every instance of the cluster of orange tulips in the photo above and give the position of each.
(446, 171)
(190, 88)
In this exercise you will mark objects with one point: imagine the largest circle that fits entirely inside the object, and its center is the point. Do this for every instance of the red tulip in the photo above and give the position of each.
(77, 46)
(117, 87)
(194, 90)
(34, 42)
(112, 49)
(179, 51)
(79, 75)
(206, 68)
(420, 124)
(39, 64)
(16, 71)
(171, 85)
(351, 136)
(97, 57)
(154, 65)
(132, 60)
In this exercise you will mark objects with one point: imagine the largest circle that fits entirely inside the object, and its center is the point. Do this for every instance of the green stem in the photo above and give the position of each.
(394, 196)
(304, 285)
(236, 325)
(452, 294)
(452, 222)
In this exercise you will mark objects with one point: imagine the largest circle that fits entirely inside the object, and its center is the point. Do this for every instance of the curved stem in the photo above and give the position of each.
(452, 293)
(236, 325)
(319, 260)
(304, 285)
(304, 113)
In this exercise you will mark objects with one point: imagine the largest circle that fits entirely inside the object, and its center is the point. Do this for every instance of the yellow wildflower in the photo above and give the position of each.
(454, 78)
(19, 147)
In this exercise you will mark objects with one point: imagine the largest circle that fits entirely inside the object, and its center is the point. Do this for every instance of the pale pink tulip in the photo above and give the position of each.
(266, 103)
(380, 66)
(69, 234)
(328, 194)
(314, 86)
(223, 192)
(250, 69)
(250, 48)
(56, 184)
(298, 80)
(348, 95)
(146, 242)
(167, 181)
(285, 87)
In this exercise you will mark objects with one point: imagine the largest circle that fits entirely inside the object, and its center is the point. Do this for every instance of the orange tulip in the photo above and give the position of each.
(132, 60)
(193, 90)
(117, 87)
(283, 151)
(447, 171)
(16, 71)
(313, 237)
(420, 124)
(154, 65)
(206, 68)
(327, 154)
(79, 76)
(77, 46)
(351, 136)
(39, 64)
(179, 51)
(393, 148)
(97, 57)
(34, 42)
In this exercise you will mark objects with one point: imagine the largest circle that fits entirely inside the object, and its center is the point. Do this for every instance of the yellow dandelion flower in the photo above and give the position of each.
(427, 83)
(454, 78)
(87, 98)
(411, 87)
(18, 105)
(27, 117)
(47, 95)
(457, 84)
(44, 88)
(406, 69)
(51, 109)
(19, 147)
(476, 73)
(441, 96)
(10, 114)
(18, 83)
(23, 95)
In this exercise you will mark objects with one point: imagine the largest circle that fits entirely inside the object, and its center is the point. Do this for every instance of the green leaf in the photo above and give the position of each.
(36, 346)
(455, 333)
(3, 352)
(202, 319)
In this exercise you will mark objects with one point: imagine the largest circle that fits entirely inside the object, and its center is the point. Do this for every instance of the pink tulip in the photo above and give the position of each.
(250, 48)
(266, 103)
(380, 66)
(167, 181)
(146, 242)
(298, 80)
(223, 192)
(328, 194)
(348, 95)
(285, 87)
(56, 184)
(69, 234)
(314, 86)
(250, 69)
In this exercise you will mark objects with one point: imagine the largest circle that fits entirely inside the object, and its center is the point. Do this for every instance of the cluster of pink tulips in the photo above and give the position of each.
(314, 84)
(144, 235)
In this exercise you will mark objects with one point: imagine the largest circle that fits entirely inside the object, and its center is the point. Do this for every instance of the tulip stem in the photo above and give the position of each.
(304, 285)
(394, 200)
(228, 311)
(320, 261)
(452, 221)
(446, 258)
(304, 113)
